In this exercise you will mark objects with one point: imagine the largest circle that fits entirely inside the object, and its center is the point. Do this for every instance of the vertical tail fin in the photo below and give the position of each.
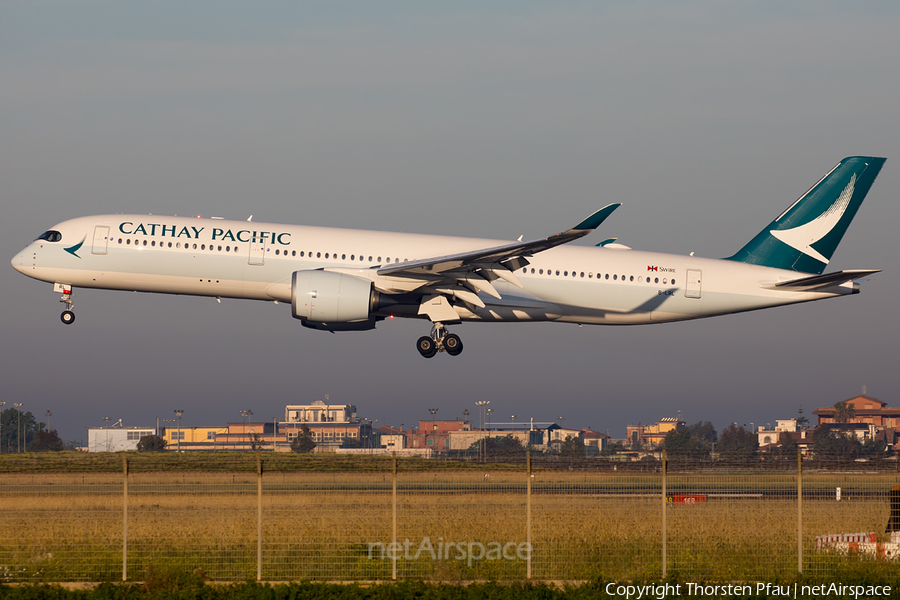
(803, 238)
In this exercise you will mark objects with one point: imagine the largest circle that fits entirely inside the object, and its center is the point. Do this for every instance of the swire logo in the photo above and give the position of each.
(649, 268)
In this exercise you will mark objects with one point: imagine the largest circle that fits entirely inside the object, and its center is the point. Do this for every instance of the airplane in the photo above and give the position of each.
(350, 279)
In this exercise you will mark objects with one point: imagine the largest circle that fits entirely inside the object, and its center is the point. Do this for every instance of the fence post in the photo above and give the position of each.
(125, 519)
(799, 511)
(664, 558)
(394, 521)
(528, 518)
(259, 539)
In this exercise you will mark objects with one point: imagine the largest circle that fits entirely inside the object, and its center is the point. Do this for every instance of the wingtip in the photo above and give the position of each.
(593, 221)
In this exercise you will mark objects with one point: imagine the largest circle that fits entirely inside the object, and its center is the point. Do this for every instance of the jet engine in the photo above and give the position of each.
(333, 301)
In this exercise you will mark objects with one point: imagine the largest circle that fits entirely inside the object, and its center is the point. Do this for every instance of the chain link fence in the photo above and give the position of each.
(273, 517)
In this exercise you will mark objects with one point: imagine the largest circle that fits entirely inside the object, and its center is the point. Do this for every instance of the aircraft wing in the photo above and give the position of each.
(497, 255)
(465, 274)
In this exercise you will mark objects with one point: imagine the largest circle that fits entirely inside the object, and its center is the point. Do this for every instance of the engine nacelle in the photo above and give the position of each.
(327, 297)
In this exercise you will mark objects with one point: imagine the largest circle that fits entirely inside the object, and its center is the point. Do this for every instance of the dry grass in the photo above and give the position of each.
(319, 526)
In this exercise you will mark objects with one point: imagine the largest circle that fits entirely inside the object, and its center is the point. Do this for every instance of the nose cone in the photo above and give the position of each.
(19, 261)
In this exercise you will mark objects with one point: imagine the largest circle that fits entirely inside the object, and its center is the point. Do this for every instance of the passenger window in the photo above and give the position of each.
(606, 276)
(220, 248)
(145, 242)
(656, 280)
(293, 253)
(582, 273)
(557, 273)
(343, 257)
(170, 244)
(203, 246)
(673, 282)
(631, 278)
(127, 242)
(615, 277)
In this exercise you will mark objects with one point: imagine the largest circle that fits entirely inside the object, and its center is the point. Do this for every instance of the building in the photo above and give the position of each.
(319, 412)
(116, 439)
(330, 425)
(434, 434)
(651, 436)
(594, 439)
(542, 439)
(872, 419)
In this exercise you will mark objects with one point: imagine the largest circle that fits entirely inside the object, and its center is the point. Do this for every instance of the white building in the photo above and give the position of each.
(767, 436)
(319, 412)
(116, 439)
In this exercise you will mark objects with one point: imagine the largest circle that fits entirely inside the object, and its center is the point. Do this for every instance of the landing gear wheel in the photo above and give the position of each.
(426, 346)
(68, 317)
(452, 344)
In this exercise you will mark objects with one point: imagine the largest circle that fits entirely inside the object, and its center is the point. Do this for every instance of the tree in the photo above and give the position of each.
(151, 443)
(786, 449)
(844, 412)
(303, 443)
(572, 448)
(703, 430)
(802, 421)
(498, 446)
(256, 442)
(47, 441)
(680, 443)
(737, 443)
(613, 448)
(828, 443)
(14, 423)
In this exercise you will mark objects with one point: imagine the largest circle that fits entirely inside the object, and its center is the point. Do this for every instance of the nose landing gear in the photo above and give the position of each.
(439, 341)
(68, 315)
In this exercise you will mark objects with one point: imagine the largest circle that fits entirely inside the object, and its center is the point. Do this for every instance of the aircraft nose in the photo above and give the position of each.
(19, 260)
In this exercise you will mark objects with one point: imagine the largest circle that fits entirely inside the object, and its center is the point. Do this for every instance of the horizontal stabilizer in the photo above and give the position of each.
(820, 281)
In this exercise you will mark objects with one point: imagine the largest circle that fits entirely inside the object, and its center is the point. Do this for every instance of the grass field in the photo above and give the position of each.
(327, 523)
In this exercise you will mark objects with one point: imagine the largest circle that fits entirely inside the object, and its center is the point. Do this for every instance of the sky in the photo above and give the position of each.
(704, 119)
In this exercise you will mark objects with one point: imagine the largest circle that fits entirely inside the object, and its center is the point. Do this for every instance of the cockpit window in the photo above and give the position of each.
(50, 236)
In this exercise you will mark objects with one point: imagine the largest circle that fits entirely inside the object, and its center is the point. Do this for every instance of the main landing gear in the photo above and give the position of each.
(68, 315)
(439, 341)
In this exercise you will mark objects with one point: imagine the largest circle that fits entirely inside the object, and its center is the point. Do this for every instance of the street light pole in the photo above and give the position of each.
(432, 411)
(246, 414)
(106, 420)
(481, 404)
(48, 415)
(2, 404)
(178, 413)
(18, 406)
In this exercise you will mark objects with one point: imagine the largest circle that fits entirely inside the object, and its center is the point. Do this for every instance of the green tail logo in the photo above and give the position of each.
(804, 237)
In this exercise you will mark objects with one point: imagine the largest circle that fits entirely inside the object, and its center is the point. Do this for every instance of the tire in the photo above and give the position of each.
(68, 317)
(452, 344)
(426, 346)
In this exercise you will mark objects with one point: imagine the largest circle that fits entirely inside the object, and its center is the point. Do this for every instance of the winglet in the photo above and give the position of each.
(593, 221)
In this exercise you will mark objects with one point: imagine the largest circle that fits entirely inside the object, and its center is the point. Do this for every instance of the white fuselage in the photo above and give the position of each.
(240, 259)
